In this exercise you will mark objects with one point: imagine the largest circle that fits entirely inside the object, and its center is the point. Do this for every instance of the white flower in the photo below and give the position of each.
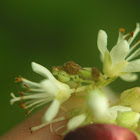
(96, 107)
(119, 61)
(120, 115)
(97, 110)
(48, 90)
(99, 107)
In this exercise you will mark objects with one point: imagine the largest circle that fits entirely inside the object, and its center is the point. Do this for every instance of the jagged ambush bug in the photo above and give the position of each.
(48, 91)
(73, 73)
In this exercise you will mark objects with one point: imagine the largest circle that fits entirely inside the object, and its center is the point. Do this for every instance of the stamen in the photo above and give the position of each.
(30, 83)
(51, 128)
(39, 95)
(28, 88)
(134, 46)
(36, 90)
(31, 101)
(122, 30)
(13, 96)
(134, 34)
(122, 36)
(125, 36)
(133, 55)
(29, 111)
(39, 101)
(64, 133)
(47, 123)
(59, 128)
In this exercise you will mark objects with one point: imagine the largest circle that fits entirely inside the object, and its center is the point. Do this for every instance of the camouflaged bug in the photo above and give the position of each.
(71, 71)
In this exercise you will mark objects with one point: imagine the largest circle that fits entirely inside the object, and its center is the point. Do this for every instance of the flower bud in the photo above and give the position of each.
(131, 98)
(128, 119)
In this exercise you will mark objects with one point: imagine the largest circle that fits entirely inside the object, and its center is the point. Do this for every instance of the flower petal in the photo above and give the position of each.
(119, 52)
(49, 87)
(128, 119)
(120, 108)
(113, 111)
(102, 42)
(130, 77)
(30, 83)
(137, 30)
(98, 103)
(133, 66)
(52, 111)
(116, 70)
(107, 63)
(42, 71)
(76, 121)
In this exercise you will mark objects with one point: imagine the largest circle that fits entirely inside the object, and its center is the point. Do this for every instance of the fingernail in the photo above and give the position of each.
(101, 132)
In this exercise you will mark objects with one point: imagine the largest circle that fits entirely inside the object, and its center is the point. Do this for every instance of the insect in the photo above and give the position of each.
(73, 73)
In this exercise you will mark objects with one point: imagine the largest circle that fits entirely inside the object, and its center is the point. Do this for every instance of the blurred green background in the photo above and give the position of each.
(52, 33)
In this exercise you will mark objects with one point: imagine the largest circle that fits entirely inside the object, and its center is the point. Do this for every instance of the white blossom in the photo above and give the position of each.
(95, 107)
(120, 60)
(49, 90)
(98, 110)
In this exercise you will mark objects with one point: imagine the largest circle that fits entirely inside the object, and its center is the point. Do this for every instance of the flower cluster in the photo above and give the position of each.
(72, 81)
(119, 61)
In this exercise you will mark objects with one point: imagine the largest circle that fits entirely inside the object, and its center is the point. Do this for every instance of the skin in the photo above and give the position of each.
(22, 132)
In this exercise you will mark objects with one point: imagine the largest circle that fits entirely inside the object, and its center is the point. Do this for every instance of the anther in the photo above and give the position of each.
(30, 130)
(28, 111)
(22, 105)
(20, 93)
(122, 30)
(18, 79)
(132, 33)
(28, 88)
